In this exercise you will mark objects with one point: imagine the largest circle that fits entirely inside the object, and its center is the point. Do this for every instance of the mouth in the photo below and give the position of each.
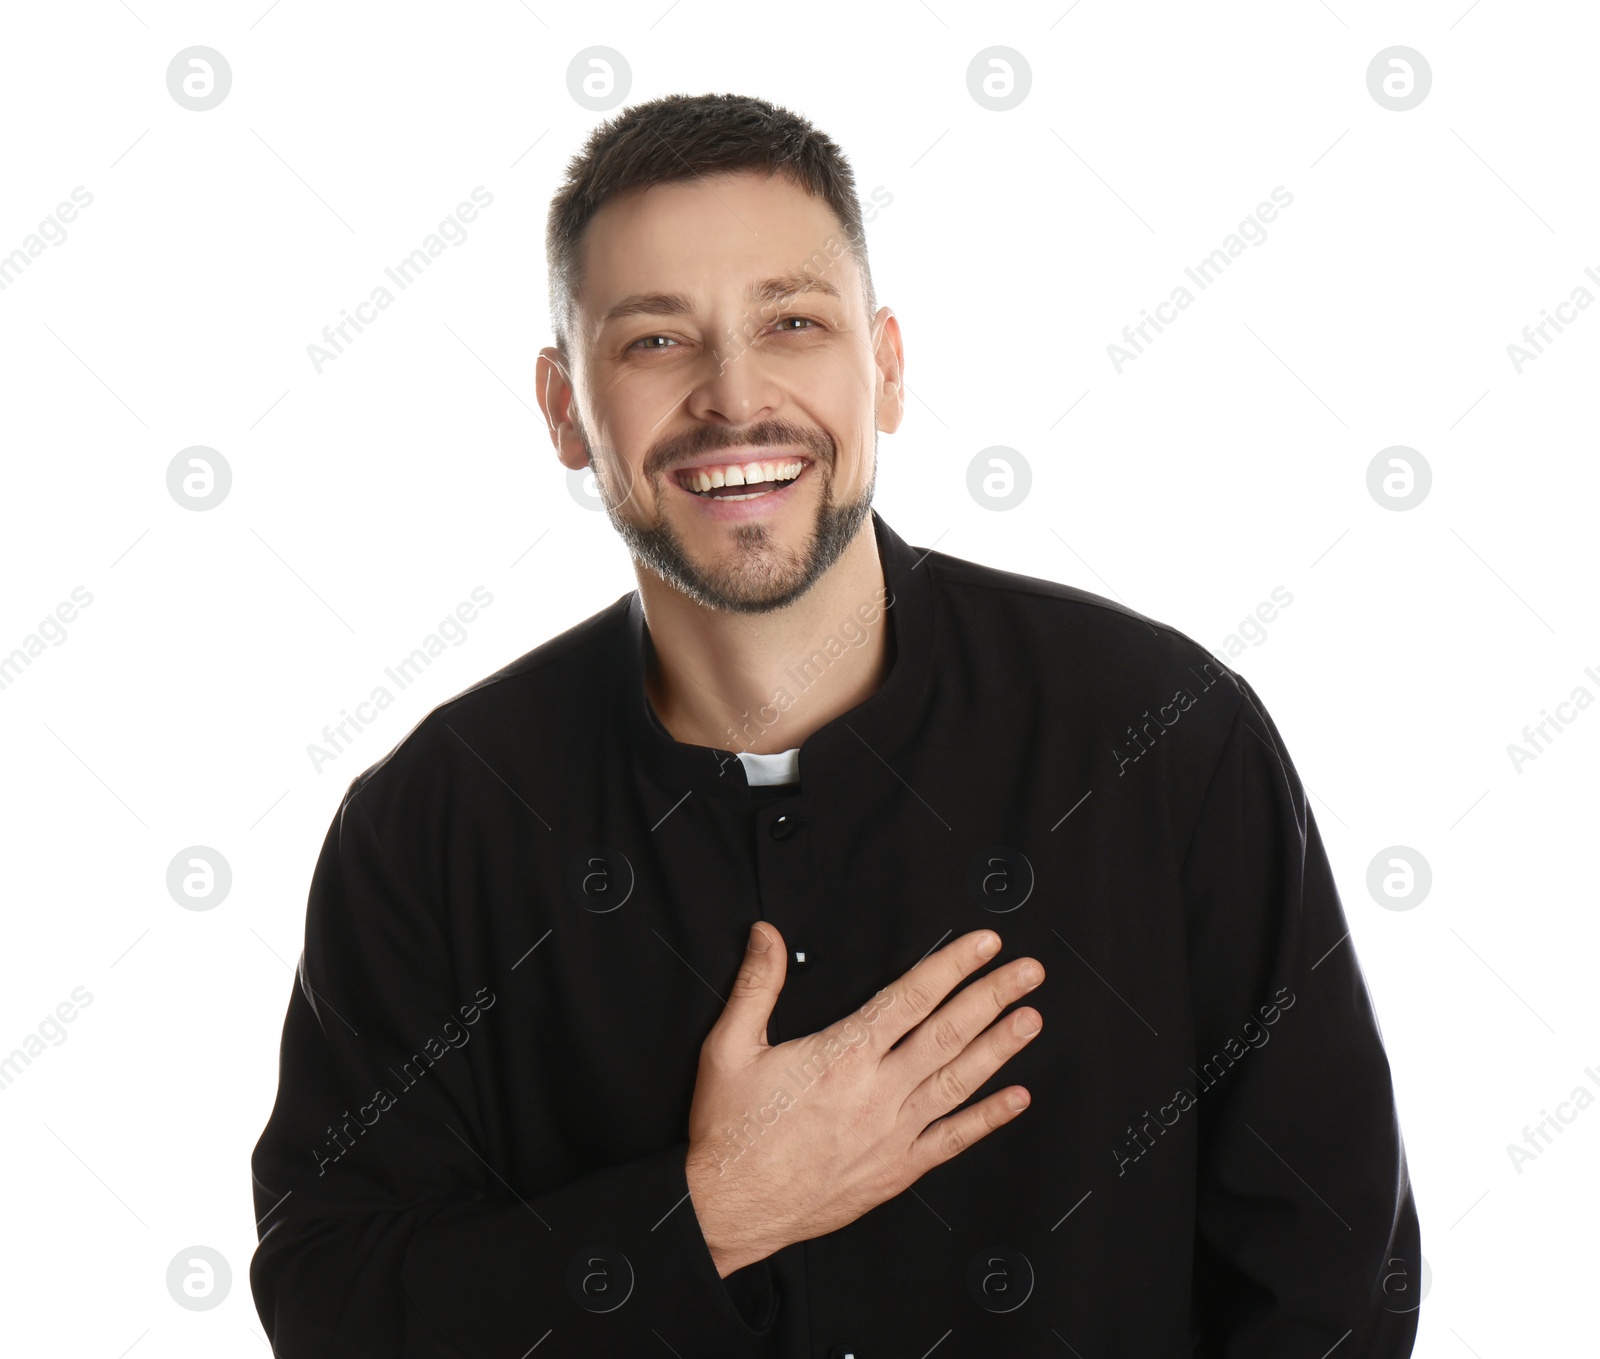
(750, 479)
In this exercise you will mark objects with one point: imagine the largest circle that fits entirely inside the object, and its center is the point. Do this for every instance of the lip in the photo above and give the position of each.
(742, 454)
(723, 510)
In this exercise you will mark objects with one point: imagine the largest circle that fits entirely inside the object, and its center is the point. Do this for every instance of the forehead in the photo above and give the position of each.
(709, 235)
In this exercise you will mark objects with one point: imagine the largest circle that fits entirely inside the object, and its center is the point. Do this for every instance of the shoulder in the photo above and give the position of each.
(1086, 639)
(564, 674)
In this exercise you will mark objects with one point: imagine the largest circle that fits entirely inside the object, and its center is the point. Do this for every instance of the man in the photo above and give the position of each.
(652, 999)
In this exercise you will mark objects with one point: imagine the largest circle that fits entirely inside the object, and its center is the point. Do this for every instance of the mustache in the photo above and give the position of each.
(692, 443)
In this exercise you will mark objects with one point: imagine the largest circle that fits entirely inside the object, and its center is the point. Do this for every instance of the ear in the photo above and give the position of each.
(889, 355)
(553, 386)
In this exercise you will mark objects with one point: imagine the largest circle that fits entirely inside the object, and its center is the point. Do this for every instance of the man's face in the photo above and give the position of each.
(721, 323)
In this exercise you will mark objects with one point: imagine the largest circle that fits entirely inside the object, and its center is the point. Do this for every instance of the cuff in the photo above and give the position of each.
(615, 1261)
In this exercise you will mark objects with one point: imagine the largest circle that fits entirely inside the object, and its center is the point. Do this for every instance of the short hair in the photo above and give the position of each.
(679, 137)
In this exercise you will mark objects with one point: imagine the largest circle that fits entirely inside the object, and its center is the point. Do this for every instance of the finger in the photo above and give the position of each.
(918, 992)
(953, 1083)
(951, 1136)
(741, 1029)
(944, 1035)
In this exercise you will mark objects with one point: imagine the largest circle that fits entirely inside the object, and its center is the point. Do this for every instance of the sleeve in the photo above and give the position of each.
(385, 1226)
(1307, 1240)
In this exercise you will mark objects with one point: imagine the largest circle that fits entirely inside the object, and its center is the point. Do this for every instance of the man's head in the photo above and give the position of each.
(712, 308)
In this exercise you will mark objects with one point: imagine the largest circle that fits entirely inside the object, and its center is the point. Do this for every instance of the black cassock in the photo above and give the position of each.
(525, 918)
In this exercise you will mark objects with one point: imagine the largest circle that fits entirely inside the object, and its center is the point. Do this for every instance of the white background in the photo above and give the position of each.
(370, 498)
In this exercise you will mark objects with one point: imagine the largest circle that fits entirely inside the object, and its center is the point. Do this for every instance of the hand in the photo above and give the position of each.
(791, 1142)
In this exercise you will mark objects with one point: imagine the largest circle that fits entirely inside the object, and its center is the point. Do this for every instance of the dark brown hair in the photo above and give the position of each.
(681, 136)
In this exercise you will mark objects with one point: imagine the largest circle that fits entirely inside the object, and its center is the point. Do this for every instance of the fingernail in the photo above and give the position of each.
(988, 946)
(759, 943)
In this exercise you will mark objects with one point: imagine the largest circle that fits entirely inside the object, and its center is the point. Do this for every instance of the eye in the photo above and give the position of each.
(809, 322)
(643, 342)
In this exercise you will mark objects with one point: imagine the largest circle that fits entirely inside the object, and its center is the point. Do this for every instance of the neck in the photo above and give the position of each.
(762, 683)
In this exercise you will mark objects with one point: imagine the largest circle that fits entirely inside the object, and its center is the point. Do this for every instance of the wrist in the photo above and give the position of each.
(730, 1250)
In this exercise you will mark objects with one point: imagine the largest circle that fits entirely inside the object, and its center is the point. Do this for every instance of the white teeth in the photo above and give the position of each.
(735, 474)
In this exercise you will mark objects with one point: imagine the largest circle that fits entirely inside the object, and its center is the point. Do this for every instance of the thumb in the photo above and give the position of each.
(755, 989)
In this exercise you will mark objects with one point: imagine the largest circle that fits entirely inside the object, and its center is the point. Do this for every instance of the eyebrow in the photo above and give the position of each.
(679, 304)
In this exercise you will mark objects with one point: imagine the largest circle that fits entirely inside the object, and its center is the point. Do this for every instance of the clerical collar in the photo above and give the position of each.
(868, 735)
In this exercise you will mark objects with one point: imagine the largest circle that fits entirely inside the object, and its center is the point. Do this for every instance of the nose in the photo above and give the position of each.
(733, 386)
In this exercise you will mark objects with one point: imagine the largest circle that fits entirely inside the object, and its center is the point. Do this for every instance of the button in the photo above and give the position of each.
(784, 826)
(843, 1352)
(799, 959)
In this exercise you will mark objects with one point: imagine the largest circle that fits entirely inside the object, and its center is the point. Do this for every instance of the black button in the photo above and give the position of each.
(784, 826)
(843, 1352)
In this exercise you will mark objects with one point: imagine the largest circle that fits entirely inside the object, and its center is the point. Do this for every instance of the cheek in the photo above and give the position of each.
(840, 392)
(630, 411)
(625, 393)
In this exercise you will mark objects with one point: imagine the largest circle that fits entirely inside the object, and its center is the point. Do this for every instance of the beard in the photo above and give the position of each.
(759, 575)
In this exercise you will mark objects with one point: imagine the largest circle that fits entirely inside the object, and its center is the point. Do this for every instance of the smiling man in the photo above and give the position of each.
(652, 998)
